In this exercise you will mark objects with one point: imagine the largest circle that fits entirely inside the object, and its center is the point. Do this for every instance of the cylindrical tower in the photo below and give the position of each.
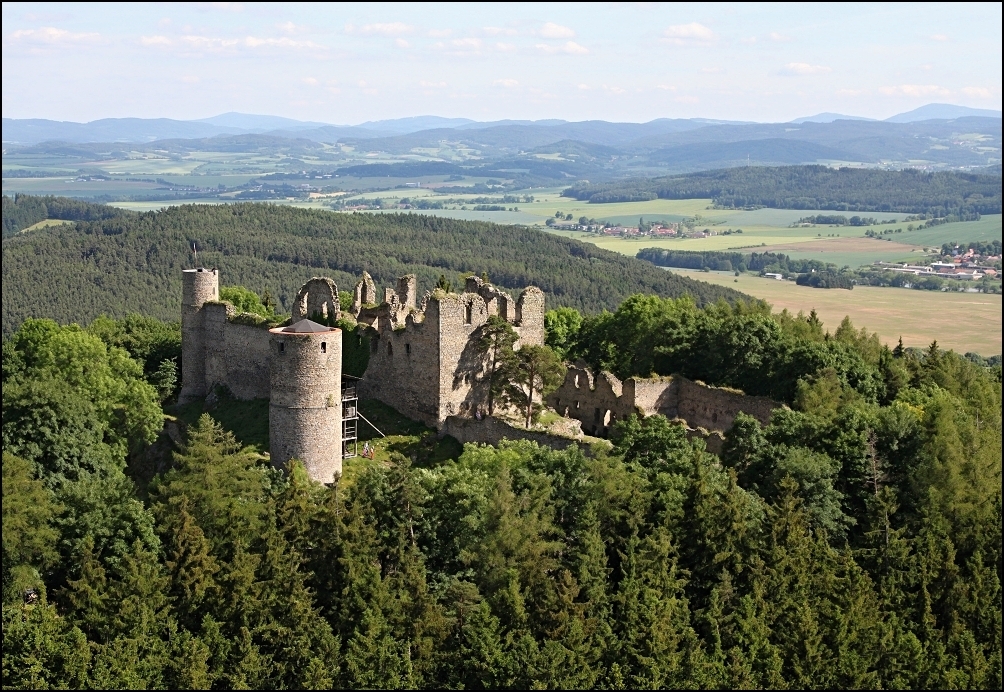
(305, 408)
(199, 286)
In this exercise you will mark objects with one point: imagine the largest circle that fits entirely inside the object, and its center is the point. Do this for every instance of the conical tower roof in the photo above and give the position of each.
(306, 327)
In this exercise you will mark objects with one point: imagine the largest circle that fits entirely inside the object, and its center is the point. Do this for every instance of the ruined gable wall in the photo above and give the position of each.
(716, 409)
(594, 402)
(461, 387)
(403, 369)
(237, 355)
(651, 395)
(529, 316)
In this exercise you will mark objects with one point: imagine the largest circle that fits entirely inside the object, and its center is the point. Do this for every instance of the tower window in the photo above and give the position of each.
(282, 347)
(469, 313)
(390, 349)
(407, 349)
(324, 347)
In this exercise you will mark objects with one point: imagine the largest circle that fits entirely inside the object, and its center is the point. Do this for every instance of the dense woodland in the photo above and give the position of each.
(23, 211)
(855, 541)
(133, 262)
(815, 187)
(718, 260)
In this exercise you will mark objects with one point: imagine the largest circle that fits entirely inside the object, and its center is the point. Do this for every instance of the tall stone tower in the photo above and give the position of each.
(199, 286)
(305, 410)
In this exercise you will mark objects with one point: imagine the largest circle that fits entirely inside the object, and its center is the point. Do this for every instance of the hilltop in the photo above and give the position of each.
(132, 262)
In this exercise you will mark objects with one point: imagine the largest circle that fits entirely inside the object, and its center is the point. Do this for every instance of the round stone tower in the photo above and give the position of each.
(199, 286)
(305, 408)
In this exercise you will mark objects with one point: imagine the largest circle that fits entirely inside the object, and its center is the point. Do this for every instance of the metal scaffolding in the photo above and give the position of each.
(350, 417)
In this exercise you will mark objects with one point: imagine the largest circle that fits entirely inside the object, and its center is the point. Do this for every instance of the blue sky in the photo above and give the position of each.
(348, 63)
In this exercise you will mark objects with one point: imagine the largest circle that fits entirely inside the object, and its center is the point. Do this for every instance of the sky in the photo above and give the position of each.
(633, 62)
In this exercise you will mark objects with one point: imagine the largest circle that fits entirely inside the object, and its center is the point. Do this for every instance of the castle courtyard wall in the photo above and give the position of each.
(237, 355)
(403, 369)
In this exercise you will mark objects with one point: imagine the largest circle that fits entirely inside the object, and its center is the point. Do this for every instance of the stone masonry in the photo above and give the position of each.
(423, 358)
(597, 402)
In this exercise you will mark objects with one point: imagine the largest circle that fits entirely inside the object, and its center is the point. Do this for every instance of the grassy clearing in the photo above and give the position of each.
(45, 224)
(960, 321)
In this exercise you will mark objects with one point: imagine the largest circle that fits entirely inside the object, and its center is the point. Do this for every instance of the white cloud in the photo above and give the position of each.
(712, 70)
(401, 43)
(552, 30)
(310, 81)
(498, 31)
(52, 35)
(440, 33)
(798, 69)
(979, 92)
(505, 47)
(155, 40)
(939, 37)
(507, 83)
(850, 92)
(665, 87)
(432, 85)
(689, 34)
(211, 43)
(469, 43)
(915, 90)
(190, 79)
(778, 38)
(385, 29)
(569, 47)
(687, 99)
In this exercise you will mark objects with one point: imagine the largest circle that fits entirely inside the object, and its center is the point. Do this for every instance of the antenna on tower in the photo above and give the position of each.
(196, 251)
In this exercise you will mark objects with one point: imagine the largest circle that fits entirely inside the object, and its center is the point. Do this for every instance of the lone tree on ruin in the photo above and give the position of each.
(532, 371)
(496, 341)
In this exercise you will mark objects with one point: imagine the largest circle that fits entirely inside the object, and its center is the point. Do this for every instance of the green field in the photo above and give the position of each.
(960, 321)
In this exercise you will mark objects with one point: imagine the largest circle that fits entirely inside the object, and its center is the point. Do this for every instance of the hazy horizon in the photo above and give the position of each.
(349, 64)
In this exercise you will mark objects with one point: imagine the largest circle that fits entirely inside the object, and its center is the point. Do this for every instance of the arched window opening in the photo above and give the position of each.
(324, 347)
(469, 313)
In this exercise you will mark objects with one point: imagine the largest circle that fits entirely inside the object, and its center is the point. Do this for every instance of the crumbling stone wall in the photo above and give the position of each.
(404, 363)
(491, 431)
(316, 299)
(716, 408)
(599, 402)
(425, 361)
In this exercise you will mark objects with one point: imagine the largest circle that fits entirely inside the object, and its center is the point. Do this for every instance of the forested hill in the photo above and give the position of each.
(23, 211)
(814, 187)
(132, 263)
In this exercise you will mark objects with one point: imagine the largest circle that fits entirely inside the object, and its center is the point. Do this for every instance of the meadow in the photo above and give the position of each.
(960, 321)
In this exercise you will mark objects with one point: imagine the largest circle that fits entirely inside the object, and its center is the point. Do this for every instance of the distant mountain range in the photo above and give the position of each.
(36, 130)
(937, 136)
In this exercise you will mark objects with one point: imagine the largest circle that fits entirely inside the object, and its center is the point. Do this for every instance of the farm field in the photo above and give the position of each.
(960, 321)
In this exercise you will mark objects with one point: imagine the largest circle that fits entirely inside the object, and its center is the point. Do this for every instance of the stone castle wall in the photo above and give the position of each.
(598, 402)
(403, 369)
(715, 408)
(237, 355)
(491, 431)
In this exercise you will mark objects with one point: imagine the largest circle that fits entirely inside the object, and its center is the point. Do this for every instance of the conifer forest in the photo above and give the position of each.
(852, 542)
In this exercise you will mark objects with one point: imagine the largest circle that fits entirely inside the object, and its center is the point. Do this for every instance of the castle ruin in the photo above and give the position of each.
(598, 402)
(423, 360)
